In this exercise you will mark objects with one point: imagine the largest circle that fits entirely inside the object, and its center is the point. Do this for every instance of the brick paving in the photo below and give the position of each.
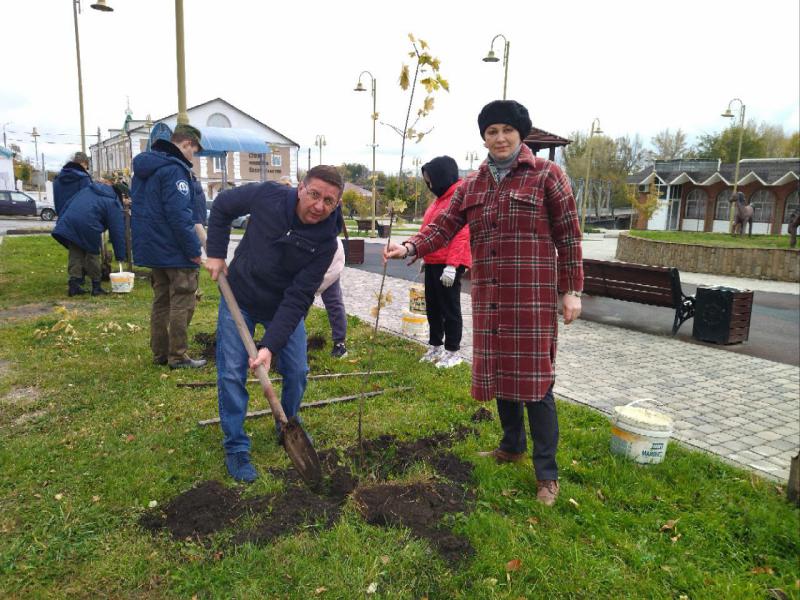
(743, 409)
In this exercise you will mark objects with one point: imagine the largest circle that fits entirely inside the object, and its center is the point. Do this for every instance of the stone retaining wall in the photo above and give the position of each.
(757, 263)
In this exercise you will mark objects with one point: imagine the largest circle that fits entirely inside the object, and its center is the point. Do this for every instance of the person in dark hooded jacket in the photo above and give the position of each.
(444, 269)
(73, 177)
(80, 227)
(164, 239)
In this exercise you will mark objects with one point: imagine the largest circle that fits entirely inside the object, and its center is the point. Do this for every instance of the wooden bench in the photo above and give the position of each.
(366, 225)
(657, 286)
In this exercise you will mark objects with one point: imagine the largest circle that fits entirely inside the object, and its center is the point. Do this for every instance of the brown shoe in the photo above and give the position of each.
(501, 456)
(547, 491)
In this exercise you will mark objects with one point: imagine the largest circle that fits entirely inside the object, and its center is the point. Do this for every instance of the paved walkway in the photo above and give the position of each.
(744, 409)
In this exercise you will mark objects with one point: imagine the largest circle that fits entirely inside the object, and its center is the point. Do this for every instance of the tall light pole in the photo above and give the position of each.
(5, 144)
(360, 88)
(320, 141)
(180, 55)
(471, 156)
(728, 114)
(585, 195)
(76, 7)
(492, 58)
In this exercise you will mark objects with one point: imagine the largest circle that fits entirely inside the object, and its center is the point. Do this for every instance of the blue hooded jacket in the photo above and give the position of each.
(280, 262)
(89, 213)
(71, 179)
(162, 222)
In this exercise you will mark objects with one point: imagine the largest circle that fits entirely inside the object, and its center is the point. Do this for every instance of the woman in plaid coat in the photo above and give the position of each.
(526, 250)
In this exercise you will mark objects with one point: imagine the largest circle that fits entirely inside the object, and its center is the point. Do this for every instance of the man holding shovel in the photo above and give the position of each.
(286, 249)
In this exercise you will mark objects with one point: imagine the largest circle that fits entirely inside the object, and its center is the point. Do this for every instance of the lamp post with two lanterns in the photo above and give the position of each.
(360, 88)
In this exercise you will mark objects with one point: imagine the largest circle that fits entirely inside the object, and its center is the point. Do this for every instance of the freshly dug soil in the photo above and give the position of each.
(315, 342)
(482, 414)
(210, 507)
(388, 456)
(199, 512)
(208, 345)
(420, 507)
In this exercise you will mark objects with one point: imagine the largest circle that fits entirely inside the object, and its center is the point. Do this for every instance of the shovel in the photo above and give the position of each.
(295, 441)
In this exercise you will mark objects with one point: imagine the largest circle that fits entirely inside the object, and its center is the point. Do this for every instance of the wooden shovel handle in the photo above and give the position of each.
(261, 371)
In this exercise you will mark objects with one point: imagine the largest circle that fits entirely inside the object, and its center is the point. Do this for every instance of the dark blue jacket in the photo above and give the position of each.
(199, 211)
(280, 262)
(89, 213)
(162, 222)
(71, 179)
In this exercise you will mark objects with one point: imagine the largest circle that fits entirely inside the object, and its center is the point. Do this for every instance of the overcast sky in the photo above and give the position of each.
(639, 67)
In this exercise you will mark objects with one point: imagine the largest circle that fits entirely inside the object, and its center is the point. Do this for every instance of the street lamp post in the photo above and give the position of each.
(585, 195)
(76, 6)
(492, 58)
(471, 157)
(5, 144)
(360, 88)
(183, 116)
(728, 114)
(320, 141)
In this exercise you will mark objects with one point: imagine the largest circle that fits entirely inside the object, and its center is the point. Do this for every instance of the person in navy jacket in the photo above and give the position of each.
(278, 266)
(73, 177)
(164, 239)
(89, 213)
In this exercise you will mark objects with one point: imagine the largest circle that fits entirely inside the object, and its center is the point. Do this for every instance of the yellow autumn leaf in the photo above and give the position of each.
(669, 525)
(411, 37)
(405, 79)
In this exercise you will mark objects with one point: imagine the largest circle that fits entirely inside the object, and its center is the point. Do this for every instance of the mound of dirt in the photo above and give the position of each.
(315, 342)
(199, 512)
(392, 457)
(420, 507)
(210, 507)
(482, 414)
(208, 345)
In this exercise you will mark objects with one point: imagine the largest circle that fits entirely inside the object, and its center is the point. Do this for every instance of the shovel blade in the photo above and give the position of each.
(302, 453)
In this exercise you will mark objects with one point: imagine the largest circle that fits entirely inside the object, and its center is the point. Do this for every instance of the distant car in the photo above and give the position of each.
(238, 222)
(17, 203)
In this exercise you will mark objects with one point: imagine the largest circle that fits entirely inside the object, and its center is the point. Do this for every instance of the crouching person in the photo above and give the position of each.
(80, 227)
(280, 263)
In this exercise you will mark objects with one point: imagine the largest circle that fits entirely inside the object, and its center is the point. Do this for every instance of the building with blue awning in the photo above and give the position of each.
(238, 148)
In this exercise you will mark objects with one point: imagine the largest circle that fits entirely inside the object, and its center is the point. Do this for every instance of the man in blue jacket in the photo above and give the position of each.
(73, 177)
(164, 239)
(80, 227)
(287, 247)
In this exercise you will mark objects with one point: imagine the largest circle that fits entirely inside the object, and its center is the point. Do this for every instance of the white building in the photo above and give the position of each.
(116, 153)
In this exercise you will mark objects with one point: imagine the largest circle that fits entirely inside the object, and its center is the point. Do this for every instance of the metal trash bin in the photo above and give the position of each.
(722, 315)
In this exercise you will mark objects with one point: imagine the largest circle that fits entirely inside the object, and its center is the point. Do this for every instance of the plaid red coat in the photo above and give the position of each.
(526, 247)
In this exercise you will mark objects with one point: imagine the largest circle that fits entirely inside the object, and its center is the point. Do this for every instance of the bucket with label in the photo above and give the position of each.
(415, 325)
(416, 299)
(122, 281)
(640, 434)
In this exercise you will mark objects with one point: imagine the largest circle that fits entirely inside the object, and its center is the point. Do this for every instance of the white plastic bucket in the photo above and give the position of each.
(640, 434)
(121, 282)
(414, 325)
(416, 299)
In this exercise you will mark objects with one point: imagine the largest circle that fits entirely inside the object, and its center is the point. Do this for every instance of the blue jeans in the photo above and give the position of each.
(232, 370)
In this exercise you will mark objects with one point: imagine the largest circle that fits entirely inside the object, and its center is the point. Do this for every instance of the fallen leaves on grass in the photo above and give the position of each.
(763, 570)
(513, 565)
(574, 503)
(372, 587)
(669, 525)
(533, 520)
(320, 590)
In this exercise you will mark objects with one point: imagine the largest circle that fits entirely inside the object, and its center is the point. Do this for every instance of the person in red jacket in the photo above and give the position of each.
(444, 269)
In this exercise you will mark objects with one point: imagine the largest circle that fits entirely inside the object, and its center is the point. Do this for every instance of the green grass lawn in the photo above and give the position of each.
(725, 240)
(91, 432)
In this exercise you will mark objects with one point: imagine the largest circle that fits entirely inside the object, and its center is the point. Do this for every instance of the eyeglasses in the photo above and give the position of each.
(329, 202)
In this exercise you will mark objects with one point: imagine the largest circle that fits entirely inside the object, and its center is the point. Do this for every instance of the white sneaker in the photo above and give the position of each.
(433, 354)
(449, 359)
